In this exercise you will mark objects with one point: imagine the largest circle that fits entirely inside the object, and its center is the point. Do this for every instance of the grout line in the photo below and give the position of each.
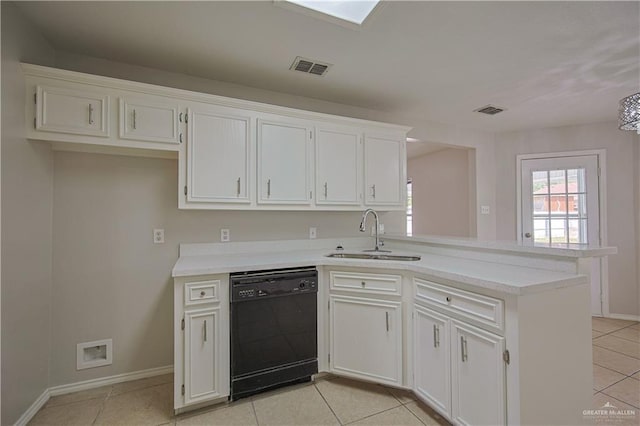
(255, 415)
(392, 395)
(102, 406)
(615, 383)
(612, 369)
(328, 405)
(375, 414)
(621, 353)
(415, 415)
(619, 400)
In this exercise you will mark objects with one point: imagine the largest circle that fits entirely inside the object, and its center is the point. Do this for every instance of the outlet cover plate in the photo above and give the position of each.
(158, 236)
(225, 235)
(312, 233)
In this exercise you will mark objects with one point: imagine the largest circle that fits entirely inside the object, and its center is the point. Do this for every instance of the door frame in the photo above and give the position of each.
(601, 155)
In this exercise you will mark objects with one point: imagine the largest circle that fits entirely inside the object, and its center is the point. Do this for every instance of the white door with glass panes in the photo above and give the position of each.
(560, 205)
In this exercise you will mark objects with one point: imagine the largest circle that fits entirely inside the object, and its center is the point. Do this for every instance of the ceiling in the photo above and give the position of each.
(547, 63)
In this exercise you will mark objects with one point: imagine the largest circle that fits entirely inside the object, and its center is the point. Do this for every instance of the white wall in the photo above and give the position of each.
(621, 171)
(111, 281)
(440, 192)
(27, 171)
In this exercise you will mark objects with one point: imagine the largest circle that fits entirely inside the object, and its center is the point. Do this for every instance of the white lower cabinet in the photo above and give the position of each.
(432, 368)
(201, 345)
(201, 355)
(366, 338)
(478, 376)
(459, 369)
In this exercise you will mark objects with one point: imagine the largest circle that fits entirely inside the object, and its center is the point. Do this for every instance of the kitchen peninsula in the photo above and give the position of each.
(483, 332)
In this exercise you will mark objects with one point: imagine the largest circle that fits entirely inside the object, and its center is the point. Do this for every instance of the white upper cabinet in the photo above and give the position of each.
(219, 147)
(384, 170)
(151, 119)
(284, 169)
(233, 154)
(338, 165)
(75, 111)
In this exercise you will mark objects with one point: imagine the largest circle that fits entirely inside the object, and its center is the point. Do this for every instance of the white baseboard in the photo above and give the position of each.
(110, 380)
(33, 409)
(625, 317)
(88, 384)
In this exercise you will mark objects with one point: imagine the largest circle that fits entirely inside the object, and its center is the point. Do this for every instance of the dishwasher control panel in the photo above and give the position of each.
(256, 285)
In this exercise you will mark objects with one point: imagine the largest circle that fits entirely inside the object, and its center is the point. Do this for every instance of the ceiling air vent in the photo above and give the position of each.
(489, 110)
(310, 66)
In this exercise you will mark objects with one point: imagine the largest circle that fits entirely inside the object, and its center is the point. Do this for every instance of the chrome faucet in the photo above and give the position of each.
(363, 227)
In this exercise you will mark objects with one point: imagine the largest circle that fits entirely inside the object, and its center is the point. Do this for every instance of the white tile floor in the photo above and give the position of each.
(336, 401)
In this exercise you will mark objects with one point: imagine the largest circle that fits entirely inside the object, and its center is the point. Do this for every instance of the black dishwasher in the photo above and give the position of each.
(273, 329)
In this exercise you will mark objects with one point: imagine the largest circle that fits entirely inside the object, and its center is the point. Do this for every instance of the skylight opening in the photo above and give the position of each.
(354, 11)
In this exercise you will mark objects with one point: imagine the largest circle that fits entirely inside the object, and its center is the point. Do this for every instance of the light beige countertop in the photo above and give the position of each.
(510, 279)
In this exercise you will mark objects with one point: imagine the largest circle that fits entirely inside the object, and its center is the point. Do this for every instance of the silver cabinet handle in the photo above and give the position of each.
(363, 284)
(180, 117)
(387, 317)
(90, 114)
(202, 293)
(463, 348)
(134, 120)
(205, 330)
(448, 299)
(325, 190)
(527, 235)
(373, 191)
(436, 336)
(238, 187)
(268, 187)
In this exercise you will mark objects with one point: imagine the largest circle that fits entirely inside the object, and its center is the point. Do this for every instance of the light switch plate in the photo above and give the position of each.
(225, 235)
(485, 210)
(312, 233)
(158, 236)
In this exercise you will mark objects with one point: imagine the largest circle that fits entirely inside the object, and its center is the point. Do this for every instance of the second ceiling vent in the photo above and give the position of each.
(489, 110)
(309, 66)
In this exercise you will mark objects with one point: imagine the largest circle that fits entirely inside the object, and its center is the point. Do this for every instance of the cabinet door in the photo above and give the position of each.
(384, 171)
(201, 355)
(284, 151)
(366, 338)
(478, 376)
(149, 119)
(218, 156)
(338, 167)
(432, 359)
(64, 110)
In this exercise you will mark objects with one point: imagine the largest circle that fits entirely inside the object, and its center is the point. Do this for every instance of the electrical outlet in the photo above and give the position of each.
(312, 233)
(225, 235)
(158, 236)
(485, 210)
(381, 230)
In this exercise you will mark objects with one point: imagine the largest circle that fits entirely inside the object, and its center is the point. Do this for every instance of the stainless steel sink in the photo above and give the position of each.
(374, 256)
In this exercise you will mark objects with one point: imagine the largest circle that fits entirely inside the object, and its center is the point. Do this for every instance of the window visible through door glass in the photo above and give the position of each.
(559, 206)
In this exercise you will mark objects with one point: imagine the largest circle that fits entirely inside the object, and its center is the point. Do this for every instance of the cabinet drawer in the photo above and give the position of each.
(483, 309)
(199, 292)
(366, 283)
